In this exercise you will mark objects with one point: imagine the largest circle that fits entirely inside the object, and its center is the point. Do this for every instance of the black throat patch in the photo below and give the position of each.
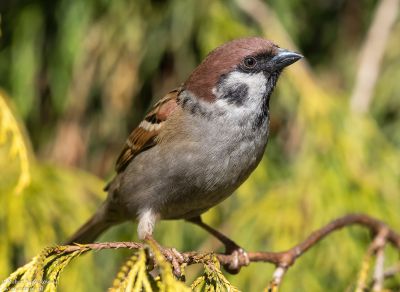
(262, 115)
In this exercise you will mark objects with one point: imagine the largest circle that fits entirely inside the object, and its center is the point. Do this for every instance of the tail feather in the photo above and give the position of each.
(89, 231)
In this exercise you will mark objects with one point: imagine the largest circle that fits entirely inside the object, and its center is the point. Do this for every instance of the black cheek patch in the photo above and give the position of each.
(236, 94)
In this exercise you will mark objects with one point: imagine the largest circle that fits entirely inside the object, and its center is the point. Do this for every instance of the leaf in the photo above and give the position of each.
(11, 132)
(133, 275)
(212, 279)
(43, 272)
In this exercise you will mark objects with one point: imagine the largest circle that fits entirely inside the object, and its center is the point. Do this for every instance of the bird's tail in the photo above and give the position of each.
(89, 231)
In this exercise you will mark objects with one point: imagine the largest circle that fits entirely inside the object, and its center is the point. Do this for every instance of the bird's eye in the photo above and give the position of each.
(250, 62)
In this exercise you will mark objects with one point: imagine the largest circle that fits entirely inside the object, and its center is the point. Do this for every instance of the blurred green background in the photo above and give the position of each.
(77, 76)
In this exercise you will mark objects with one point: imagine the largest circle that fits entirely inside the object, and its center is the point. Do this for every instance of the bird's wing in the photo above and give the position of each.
(144, 136)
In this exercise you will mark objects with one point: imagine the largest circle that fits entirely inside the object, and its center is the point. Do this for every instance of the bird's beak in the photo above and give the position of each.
(284, 58)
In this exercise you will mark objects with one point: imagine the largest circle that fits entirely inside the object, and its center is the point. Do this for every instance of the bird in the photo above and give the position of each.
(197, 144)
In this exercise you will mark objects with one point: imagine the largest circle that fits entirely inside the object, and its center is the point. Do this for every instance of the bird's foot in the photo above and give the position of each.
(240, 258)
(171, 255)
(175, 258)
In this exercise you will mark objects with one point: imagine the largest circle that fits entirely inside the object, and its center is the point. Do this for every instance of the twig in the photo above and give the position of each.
(375, 248)
(392, 271)
(276, 279)
(282, 259)
(379, 273)
(388, 273)
(372, 53)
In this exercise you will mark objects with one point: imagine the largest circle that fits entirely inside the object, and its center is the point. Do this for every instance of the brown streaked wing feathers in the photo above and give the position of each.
(142, 139)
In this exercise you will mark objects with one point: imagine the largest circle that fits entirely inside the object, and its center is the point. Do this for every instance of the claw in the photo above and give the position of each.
(245, 257)
(234, 264)
(175, 258)
(240, 258)
(172, 255)
(178, 255)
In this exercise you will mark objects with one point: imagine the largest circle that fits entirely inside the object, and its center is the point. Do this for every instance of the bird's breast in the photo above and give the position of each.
(194, 168)
(213, 163)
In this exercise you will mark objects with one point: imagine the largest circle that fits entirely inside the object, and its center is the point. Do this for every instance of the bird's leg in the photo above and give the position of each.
(171, 254)
(147, 219)
(240, 256)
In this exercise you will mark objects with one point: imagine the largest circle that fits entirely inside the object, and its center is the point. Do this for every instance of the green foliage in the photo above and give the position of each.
(11, 133)
(35, 196)
(132, 275)
(43, 271)
(41, 274)
(212, 279)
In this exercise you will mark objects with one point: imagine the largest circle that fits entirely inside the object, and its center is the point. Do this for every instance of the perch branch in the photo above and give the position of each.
(283, 259)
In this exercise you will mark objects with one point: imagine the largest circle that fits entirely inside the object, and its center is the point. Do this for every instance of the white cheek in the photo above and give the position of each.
(256, 84)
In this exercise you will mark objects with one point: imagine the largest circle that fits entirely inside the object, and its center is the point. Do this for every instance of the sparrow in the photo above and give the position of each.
(197, 144)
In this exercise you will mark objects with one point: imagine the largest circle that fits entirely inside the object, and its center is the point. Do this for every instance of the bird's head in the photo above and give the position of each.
(240, 72)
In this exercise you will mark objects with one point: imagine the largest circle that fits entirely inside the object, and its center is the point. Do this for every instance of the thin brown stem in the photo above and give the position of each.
(375, 248)
(281, 259)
